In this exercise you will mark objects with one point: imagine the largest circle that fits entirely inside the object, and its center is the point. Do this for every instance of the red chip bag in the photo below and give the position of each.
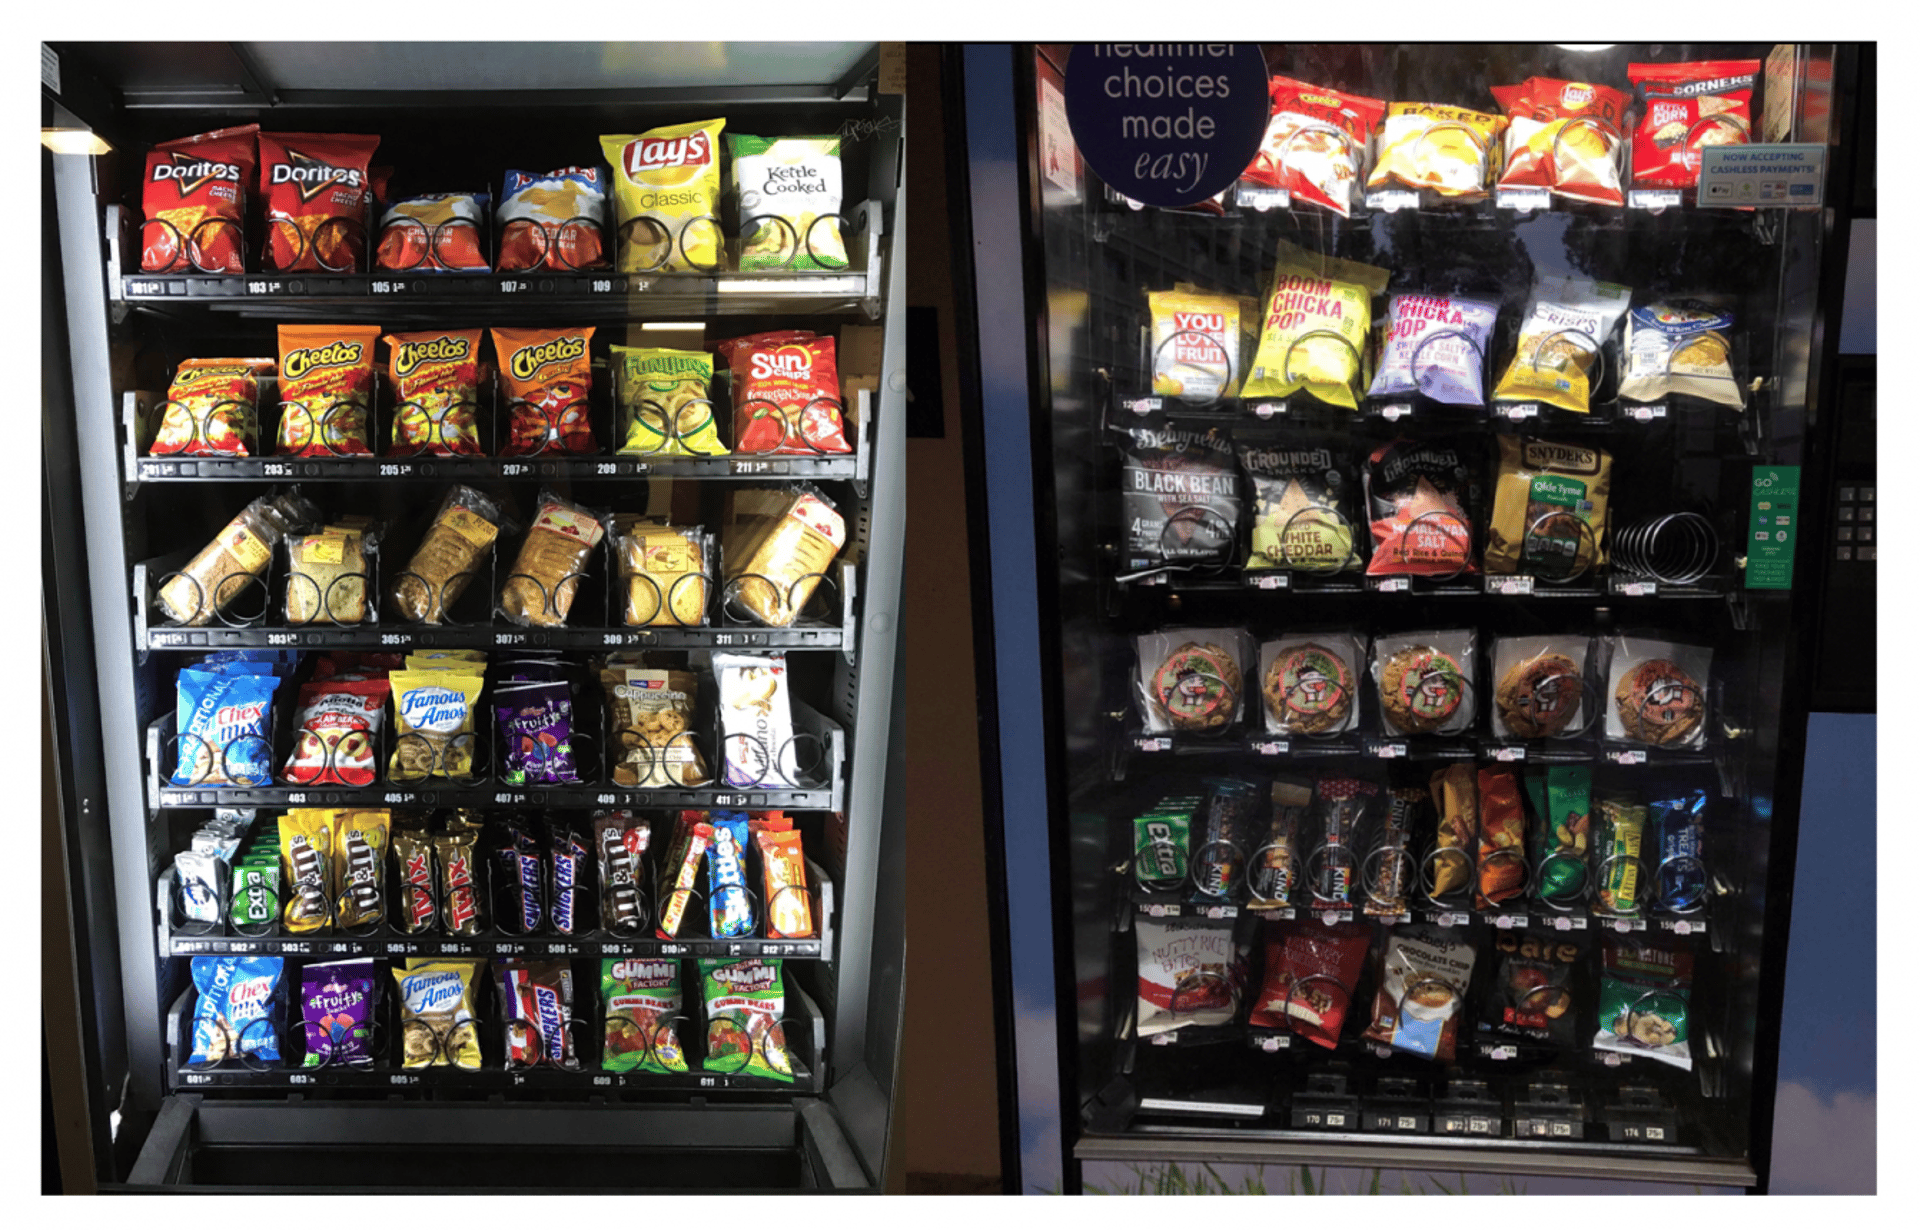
(435, 377)
(546, 374)
(335, 733)
(194, 197)
(786, 394)
(1312, 971)
(1564, 135)
(1687, 107)
(1315, 140)
(317, 189)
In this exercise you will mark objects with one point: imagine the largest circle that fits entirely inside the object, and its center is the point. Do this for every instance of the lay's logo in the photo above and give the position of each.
(298, 363)
(653, 154)
(1576, 94)
(529, 359)
(790, 362)
(446, 349)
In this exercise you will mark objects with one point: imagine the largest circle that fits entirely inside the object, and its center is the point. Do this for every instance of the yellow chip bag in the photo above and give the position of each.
(1447, 149)
(1197, 351)
(664, 405)
(1314, 334)
(1563, 340)
(433, 723)
(666, 195)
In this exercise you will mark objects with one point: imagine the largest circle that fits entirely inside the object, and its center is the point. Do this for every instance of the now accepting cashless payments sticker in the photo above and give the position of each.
(1762, 176)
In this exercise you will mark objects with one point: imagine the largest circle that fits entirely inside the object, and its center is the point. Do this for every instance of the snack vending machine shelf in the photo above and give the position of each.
(473, 553)
(1396, 619)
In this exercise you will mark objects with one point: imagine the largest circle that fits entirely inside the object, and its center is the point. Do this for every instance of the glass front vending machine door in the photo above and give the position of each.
(1393, 616)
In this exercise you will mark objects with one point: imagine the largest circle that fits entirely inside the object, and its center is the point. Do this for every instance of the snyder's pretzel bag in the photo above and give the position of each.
(546, 376)
(1561, 358)
(1199, 343)
(1686, 107)
(1421, 500)
(666, 196)
(746, 1002)
(436, 233)
(665, 406)
(326, 390)
(789, 190)
(436, 379)
(1549, 509)
(1305, 501)
(194, 196)
(786, 394)
(1565, 136)
(1436, 345)
(1316, 140)
(318, 193)
(1678, 348)
(212, 409)
(1313, 336)
(1447, 149)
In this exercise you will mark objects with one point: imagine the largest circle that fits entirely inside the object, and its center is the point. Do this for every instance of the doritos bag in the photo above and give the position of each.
(666, 193)
(194, 198)
(546, 376)
(553, 221)
(435, 388)
(326, 385)
(1686, 107)
(786, 394)
(439, 233)
(317, 191)
(1314, 143)
(1566, 136)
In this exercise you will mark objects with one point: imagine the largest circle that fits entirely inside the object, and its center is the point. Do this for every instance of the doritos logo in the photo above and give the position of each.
(529, 359)
(189, 174)
(310, 176)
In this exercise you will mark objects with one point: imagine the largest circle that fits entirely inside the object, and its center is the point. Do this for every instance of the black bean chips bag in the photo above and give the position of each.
(1180, 492)
(1305, 492)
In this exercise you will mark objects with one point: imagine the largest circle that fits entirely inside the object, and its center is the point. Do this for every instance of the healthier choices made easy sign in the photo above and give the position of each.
(1167, 124)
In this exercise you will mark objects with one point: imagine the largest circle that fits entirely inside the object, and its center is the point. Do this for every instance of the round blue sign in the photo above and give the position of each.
(1167, 124)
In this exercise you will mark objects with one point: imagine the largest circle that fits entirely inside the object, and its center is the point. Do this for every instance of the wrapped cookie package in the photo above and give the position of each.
(552, 561)
(1540, 687)
(1310, 683)
(1192, 680)
(1658, 692)
(1423, 977)
(1425, 681)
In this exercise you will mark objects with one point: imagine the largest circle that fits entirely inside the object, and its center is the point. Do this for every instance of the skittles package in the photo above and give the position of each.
(666, 193)
(194, 196)
(318, 192)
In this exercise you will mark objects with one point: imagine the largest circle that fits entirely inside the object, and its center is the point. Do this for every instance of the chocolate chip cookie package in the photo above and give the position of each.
(1193, 680)
(1540, 686)
(1658, 692)
(1310, 683)
(1425, 682)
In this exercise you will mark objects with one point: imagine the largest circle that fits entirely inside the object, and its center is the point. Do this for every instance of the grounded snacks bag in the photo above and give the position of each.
(1564, 135)
(553, 221)
(437, 233)
(1447, 149)
(436, 393)
(212, 409)
(1314, 144)
(666, 192)
(1549, 509)
(545, 375)
(1197, 343)
(786, 394)
(1563, 343)
(1678, 348)
(1420, 498)
(1688, 107)
(317, 192)
(194, 196)
(1313, 337)
(1304, 497)
(326, 390)
(1436, 345)
(789, 191)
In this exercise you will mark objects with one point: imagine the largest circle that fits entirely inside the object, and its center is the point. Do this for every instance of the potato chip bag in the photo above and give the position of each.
(194, 197)
(1447, 149)
(437, 233)
(211, 409)
(786, 394)
(666, 195)
(1686, 107)
(1677, 347)
(436, 393)
(553, 221)
(318, 189)
(545, 375)
(1313, 337)
(1563, 339)
(1198, 351)
(326, 387)
(1314, 143)
(789, 190)
(665, 409)
(1565, 136)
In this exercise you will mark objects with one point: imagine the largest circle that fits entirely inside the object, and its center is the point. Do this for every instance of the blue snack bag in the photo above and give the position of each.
(222, 721)
(553, 221)
(732, 912)
(235, 992)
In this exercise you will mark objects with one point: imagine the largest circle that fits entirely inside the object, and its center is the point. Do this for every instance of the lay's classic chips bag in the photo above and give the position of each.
(666, 192)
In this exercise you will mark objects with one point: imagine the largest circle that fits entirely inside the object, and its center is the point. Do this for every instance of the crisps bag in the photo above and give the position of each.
(326, 388)
(223, 722)
(786, 394)
(642, 1000)
(1686, 107)
(435, 389)
(1447, 149)
(1316, 139)
(746, 1001)
(437, 233)
(1564, 339)
(1533, 995)
(789, 189)
(665, 405)
(317, 190)
(1313, 337)
(1304, 502)
(666, 194)
(553, 221)
(1566, 136)
(212, 409)
(1198, 351)
(1549, 509)
(546, 375)
(194, 199)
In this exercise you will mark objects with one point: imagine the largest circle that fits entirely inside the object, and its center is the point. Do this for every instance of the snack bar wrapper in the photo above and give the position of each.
(784, 874)
(679, 871)
(1274, 871)
(536, 1000)
(237, 1012)
(1502, 862)
(1560, 805)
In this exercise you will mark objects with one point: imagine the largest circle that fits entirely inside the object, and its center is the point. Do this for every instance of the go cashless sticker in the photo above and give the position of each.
(1774, 523)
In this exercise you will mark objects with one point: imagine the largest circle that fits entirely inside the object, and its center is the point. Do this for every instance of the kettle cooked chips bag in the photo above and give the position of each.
(789, 190)
(666, 194)
(1314, 334)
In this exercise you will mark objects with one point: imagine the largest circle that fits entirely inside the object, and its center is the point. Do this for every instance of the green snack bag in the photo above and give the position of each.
(746, 1000)
(789, 190)
(1618, 826)
(1160, 840)
(256, 894)
(1644, 994)
(664, 402)
(641, 998)
(1559, 799)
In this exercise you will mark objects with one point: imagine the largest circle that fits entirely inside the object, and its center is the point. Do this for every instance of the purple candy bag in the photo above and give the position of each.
(336, 1003)
(536, 729)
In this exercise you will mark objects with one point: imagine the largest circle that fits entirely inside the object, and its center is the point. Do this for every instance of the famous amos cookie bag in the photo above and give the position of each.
(194, 200)
(437, 1023)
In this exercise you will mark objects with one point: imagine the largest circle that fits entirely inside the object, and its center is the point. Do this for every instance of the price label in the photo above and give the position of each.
(514, 469)
(1510, 586)
(1159, 743)
(1143, 405)
(1646, 414)
(1248, 196)
(1510, 753)
(1636, 756)
(1622, 925)
(1612, 1059)
(1656, 1133)
(1530, 410)
(1279, 1043)
(1268, 409)
(509, 286)
(1563, 923)
(1503, 921)
(1390, 585)
(1502, 1052)
(1523, 200)
(1395, 413)
(1330, 917)
(1223, 911)
(1450, 919)
(299, 1078)
(1638, 589)
(1393, 200)
(1561, 1127)
(275, 469)
(752, 467)
(1272, 747)
(1268, 580)
(1653, 199)
(1391, 751)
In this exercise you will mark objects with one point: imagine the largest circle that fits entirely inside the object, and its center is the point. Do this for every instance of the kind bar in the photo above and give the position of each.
(1533, 991)
(1456, 798)
(786, 395)
(307, 868)
(1678, 836)
(1680, 349)
(237, 1011)
(536, 999)
(642, 999)
(437, 233)
(326, 390)
(1180, 496)
(546, 376)
(318, 193)
(194, 196)
(1190, 973)
(359, 867)
(436, 380)
(419, 900)
(1424, 972)
(1446, 149)
(680, 872)
(1197, 344)
(1565, 136)
(1340, 809)
(1421, 500)
(1305, 496)
(1502, 874)
(789, 193)
(1315, 140)
(1685, 108)
(665, 403)
(1436, 346)
(1560, 801)
(212, 409)
(1620, 826)
(553, 221)
(1311, 973)
(746, 1002)
(1644, 991)
(1275, 870)
(1313, 334)
(437, 1026)
(620, 846)
(336, 1010)
(1160, 841)
(784, 885)
(1563, 343)
(1389, 868)
(1220, 855)
(666, 195)
(1549, 509)
(457, 852)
